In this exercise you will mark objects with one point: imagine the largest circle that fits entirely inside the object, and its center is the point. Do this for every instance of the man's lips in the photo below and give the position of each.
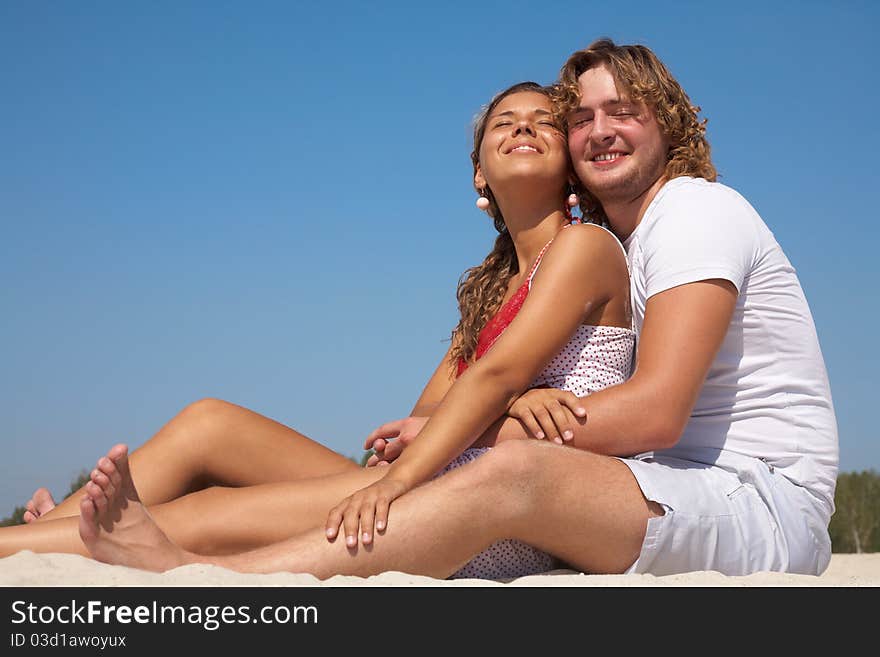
(607, 159)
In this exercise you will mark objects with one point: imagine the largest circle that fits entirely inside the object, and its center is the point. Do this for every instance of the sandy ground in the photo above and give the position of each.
(29, 569)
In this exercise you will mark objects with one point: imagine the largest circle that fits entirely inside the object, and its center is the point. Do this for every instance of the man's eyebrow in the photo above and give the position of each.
(611, 102)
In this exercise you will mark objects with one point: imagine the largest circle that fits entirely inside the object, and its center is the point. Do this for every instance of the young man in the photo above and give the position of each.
(719, 453)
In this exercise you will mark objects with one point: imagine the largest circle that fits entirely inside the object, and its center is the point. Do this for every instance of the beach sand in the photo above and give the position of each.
(29, 569)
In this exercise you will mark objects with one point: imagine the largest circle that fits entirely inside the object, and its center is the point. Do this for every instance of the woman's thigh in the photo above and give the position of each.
(221, 520)
(214, 442)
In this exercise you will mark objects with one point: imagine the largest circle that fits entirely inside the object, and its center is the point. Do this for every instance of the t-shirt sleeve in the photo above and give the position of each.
(698, 233)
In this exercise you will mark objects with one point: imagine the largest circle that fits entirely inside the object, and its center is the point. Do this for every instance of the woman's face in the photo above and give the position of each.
(522, 144)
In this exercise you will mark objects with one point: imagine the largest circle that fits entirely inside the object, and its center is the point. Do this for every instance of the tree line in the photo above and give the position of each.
(855, 525)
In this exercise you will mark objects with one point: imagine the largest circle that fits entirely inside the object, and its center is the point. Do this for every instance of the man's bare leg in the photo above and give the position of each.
(584, 508)
(212, 442)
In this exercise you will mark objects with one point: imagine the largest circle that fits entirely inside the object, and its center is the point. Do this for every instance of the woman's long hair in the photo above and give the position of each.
(481, 289)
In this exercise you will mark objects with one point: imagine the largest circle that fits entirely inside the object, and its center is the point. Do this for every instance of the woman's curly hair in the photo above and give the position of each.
(641, 76)
(481, 289)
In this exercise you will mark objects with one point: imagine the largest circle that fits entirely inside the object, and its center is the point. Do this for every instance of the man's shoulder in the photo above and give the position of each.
(685, 197)
(685, 188)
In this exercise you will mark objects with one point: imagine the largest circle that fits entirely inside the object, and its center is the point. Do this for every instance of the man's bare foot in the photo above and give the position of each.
(114, 525)
(41, 502)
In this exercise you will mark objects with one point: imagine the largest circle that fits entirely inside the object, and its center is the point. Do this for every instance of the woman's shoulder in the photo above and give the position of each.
(588, 239)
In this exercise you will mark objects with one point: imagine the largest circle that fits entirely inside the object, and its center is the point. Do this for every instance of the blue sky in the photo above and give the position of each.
(271, 202)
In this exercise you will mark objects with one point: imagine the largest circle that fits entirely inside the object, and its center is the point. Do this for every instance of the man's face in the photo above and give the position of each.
(616, 145)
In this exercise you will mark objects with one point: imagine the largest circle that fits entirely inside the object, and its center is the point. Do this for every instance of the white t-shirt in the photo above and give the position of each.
(766, 394)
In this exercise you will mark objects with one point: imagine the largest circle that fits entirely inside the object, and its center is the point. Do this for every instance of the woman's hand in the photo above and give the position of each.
(549, 413)
(389, 440)
(364, 510)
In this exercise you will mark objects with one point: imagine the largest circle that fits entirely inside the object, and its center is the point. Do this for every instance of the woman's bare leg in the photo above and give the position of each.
(215, 520)
(41, 503)
(584, 508)
(213, 442)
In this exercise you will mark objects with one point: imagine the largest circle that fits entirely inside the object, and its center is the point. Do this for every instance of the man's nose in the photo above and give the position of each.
(601, 128)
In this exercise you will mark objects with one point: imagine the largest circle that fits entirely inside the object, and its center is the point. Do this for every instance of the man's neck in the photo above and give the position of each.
(625, 215)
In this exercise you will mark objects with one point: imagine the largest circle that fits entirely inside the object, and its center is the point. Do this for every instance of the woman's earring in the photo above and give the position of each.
(572, 202)
(483, 202)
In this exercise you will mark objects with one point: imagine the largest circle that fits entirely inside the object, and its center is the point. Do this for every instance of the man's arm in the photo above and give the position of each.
(683, 330)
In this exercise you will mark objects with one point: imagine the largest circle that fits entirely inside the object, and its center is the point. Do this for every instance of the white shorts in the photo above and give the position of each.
(736, 521)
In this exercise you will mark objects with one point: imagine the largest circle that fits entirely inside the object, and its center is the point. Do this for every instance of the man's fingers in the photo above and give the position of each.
(387, 430)
(393, 450)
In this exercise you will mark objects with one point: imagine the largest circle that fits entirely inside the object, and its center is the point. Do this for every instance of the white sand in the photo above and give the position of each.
(29, 569)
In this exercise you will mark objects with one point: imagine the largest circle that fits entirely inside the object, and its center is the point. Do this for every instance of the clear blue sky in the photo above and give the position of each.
(271, 202)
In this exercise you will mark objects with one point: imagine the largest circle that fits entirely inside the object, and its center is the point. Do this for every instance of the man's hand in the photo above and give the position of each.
(549, 413)
(389, 440)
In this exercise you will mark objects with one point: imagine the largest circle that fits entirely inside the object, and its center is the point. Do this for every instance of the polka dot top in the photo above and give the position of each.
(594, 358)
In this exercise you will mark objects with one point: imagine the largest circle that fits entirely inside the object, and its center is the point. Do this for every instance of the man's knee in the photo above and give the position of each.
(517, 464)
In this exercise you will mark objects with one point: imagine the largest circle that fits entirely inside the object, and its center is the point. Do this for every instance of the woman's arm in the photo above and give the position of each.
(437, 387)
(580, 272)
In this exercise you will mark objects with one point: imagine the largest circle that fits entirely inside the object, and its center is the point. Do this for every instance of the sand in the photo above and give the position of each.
(29, 569)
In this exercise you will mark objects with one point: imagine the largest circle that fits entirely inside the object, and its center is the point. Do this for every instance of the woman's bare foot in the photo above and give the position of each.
(114, 525)
(41, 502)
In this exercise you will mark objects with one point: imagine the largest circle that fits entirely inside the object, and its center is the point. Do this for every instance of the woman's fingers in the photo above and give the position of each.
(351, 522)
(367, 514)
(573, 403)
(334, 520)
(560, 416)
(383, 505)
(548, 426)
(531, 423)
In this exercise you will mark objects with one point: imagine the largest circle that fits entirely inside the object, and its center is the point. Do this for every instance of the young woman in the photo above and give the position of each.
(547, 308)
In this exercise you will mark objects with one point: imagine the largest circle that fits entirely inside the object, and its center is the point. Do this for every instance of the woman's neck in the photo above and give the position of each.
(532, 222)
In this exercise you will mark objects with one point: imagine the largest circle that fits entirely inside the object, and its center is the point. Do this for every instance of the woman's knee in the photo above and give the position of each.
(203, 421)
(208, 411)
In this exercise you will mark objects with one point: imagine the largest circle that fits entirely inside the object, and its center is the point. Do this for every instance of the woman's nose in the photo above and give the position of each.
(524, 127)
